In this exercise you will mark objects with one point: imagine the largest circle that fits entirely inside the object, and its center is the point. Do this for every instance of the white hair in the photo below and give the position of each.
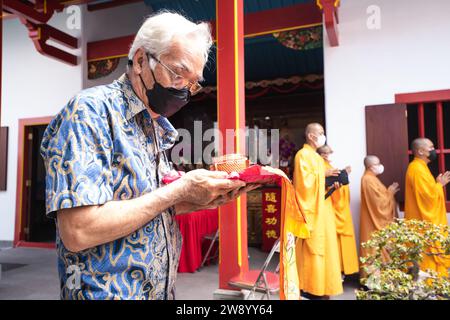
(158, 31)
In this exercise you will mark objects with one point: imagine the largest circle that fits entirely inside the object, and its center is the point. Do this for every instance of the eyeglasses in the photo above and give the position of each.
(193, 87)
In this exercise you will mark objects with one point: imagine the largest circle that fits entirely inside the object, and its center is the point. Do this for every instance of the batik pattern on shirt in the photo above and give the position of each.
(100, 148)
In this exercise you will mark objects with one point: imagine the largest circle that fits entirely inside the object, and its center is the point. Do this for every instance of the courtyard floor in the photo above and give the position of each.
(30, 273)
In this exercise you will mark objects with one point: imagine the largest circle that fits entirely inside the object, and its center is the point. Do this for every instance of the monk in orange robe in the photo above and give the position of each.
(340, 200)
(424, 196)
(317, 260)
(378, 205)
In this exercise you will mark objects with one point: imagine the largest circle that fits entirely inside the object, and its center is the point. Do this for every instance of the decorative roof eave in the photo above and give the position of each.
(264, 22)
(35, 17)
(310, 78)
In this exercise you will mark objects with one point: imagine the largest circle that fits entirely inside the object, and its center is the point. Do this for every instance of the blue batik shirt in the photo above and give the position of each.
(100, 148)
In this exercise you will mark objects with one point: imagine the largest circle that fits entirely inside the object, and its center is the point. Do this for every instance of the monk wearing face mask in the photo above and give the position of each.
(340, 200)
(318, 263)
(424, 195)
(378, 205)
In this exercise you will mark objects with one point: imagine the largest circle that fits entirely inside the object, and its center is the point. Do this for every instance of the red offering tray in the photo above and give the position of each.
(254, 174)
(260, 175)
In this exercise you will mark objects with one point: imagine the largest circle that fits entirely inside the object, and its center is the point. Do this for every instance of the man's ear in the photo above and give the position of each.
(138, 60)
(307, 138)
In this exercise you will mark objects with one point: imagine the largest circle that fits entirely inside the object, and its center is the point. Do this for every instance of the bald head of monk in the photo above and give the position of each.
(315, 135)
(423, 148)
(373, 164)
(325, 152)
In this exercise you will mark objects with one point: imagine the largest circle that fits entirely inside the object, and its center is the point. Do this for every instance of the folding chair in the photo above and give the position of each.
(261, 281)
(213, 240)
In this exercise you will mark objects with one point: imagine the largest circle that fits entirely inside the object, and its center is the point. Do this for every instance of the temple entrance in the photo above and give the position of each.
(288, 108)
(287, 112)
(284, 91)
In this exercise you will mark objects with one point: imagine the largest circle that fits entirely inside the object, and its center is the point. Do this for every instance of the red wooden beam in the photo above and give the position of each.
(28, 10)
(111, 4)
(293, 17)
(68, 3)
(35, 15)
(110, 48)
(59, 6)
(330, 17)
(423, 97)
(255, 24)
(282, 19)
(40, 34)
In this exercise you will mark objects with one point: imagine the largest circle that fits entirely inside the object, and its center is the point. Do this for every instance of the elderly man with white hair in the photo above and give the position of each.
(105, 157)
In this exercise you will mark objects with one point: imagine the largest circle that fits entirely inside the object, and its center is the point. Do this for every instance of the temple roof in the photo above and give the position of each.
(265, 56)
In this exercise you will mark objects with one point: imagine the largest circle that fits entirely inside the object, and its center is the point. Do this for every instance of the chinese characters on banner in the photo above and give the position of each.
(271, 220)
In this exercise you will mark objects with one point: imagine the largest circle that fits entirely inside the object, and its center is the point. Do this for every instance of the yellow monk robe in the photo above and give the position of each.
(378, 208)
(424, 200)
(348, 255)
(293, 225)
(318, 263)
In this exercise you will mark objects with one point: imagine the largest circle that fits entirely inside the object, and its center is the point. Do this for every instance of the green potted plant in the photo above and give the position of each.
(392, 268)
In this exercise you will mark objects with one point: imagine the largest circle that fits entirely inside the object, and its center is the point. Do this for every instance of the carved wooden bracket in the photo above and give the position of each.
(35, 17)
(330, 14)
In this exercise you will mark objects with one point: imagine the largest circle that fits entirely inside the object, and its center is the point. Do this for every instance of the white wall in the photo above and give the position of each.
(113, 23)
(33, 86)
(409, 53)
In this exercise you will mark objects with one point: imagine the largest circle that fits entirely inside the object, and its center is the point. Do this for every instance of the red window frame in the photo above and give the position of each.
(438, 98)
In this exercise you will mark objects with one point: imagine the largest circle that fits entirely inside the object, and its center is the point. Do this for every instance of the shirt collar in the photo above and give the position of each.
(166, 132)
(307, 146)
(135, 105)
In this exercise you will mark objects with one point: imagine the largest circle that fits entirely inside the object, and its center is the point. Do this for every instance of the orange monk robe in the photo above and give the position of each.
(424, 200)
(318, 263)
(348, 255)
(378, 208)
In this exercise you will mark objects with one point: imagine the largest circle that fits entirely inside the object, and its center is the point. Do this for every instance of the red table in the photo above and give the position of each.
(194, 226)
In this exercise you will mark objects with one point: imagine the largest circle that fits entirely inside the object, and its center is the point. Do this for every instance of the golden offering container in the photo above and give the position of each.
(230, 163)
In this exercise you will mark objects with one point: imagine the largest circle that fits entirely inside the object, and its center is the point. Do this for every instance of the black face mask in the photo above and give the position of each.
(165, 101)
(433, 155)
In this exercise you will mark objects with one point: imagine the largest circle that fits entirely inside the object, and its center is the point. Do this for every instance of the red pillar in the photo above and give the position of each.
(231, 115)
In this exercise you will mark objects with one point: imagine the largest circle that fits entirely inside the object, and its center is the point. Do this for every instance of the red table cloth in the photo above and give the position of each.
(194, 226)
